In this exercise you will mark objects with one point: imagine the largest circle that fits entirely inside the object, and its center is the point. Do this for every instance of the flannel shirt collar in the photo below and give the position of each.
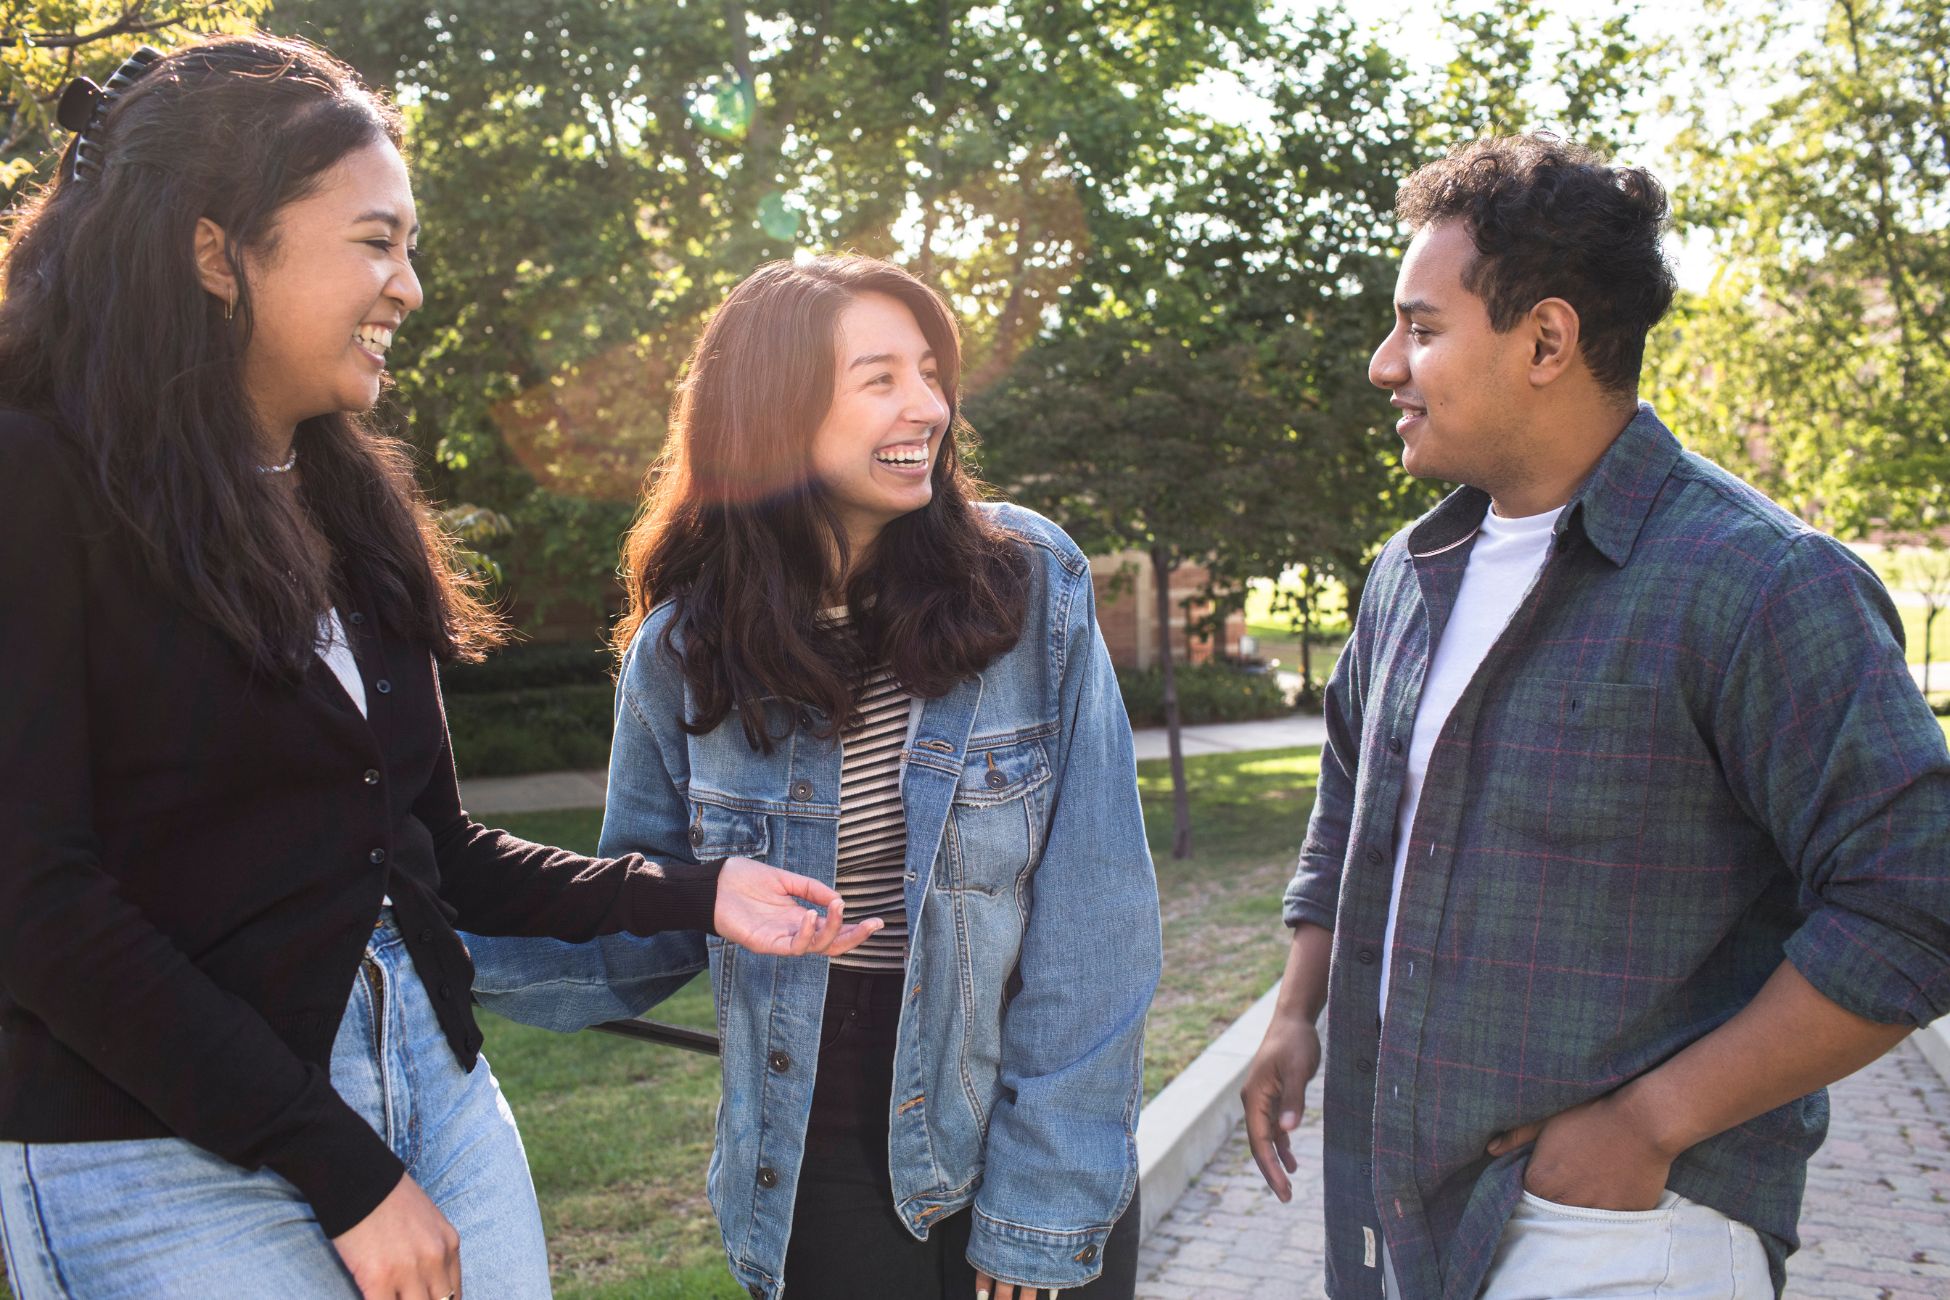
(1610, 508)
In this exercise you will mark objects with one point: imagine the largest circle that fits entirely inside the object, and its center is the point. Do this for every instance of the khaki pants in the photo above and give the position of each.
(1680, 1251)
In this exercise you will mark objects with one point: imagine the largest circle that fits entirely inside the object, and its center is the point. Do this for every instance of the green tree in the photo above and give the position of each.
(593, 184)
(1817, 362)
(45, 44)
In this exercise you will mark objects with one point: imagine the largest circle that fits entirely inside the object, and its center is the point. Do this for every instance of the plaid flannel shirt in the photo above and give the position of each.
(1694, 752)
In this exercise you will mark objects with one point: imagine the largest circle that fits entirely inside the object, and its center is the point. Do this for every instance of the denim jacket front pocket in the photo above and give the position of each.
(996, 824)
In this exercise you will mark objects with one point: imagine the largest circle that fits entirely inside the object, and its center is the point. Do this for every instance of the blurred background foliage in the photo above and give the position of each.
(1165, 226)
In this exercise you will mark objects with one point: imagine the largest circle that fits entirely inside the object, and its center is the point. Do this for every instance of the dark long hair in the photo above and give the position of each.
(739, 532)
(106, 330)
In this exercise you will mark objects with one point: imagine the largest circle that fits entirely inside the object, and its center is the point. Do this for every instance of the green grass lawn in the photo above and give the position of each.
(618, 1132)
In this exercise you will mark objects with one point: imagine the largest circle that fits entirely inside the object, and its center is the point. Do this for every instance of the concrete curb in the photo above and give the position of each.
(1186, 1123)
(1934, 1039)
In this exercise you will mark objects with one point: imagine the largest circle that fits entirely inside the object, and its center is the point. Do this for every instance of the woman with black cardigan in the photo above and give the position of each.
(237, 1054)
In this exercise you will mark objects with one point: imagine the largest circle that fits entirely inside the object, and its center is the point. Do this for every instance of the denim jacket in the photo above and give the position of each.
(1034, 943)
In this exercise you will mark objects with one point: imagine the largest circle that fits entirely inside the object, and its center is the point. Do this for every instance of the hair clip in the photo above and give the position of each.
(84, 107)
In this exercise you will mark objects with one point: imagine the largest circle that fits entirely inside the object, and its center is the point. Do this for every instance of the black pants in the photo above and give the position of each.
(847, 1242)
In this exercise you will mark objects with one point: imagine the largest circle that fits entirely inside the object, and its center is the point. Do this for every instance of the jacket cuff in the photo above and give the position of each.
(672, 896)
(1013, 1252)
(341, 1167)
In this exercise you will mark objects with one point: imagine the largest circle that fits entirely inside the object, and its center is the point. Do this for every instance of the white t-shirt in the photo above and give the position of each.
(336, 651)
(1504, 562)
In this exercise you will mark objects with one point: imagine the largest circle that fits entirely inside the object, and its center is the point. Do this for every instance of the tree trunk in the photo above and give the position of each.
(1307, 631)
(1181, 800)
(1929, 625)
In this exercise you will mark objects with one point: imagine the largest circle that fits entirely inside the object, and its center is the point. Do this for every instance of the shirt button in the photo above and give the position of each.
(1087, 1254)
(372, 776)
(376, 857)
(383, 686)
(697, 835)
(1374, 855)
(780, 1062)
(996, 779)
(1364, 1065)
(768, 1176)
(1365, 956)
(1394, 744)
(802, 790)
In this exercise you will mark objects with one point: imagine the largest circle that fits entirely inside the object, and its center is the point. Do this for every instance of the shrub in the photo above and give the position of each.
(1212, 692)
(525, 667)
(506, 733)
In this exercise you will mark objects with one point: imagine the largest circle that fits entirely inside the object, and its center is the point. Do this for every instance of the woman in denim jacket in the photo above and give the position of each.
(836, 662)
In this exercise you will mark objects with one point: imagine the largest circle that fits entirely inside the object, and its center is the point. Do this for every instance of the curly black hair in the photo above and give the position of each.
(1551, 219)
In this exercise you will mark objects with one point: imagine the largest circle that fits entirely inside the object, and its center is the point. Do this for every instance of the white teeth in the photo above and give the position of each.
(902, 457)
(374, 338)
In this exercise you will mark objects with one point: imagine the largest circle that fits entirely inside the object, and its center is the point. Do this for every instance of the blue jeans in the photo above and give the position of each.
(162, 1218)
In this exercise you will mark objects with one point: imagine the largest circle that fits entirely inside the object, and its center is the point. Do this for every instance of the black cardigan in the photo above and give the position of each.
(191, 859)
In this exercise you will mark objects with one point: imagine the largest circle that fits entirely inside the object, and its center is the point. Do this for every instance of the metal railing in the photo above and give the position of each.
(655, 1031)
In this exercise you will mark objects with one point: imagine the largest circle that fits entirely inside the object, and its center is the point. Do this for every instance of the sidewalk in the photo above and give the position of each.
(547, 791)
(1874, 1225)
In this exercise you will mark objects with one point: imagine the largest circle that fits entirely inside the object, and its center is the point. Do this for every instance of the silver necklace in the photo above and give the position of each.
(290, 463)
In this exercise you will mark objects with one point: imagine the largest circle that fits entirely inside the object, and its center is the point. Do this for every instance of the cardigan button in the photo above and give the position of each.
(383, 686)
(1374, 855)
(802, 790)
(1365, 956)
(376, 857)
(372, 776)
(1364, 1065)
(768, 1176)
(445, 992)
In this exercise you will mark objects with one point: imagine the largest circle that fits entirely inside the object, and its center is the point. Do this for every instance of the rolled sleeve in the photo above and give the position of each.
(1828, 744)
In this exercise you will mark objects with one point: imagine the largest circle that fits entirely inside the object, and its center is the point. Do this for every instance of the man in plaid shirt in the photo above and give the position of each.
(1633, 831)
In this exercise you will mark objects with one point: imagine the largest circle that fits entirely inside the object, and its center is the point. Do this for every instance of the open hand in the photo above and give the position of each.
(1595, 1155)
(404, 1250)
(1275, 1094)
(761, 908)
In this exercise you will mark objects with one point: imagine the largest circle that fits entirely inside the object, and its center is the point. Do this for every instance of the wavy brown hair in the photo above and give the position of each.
(107, 332)
(737, 530)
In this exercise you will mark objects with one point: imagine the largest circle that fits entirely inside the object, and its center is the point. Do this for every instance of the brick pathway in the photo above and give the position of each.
(1876, 1224)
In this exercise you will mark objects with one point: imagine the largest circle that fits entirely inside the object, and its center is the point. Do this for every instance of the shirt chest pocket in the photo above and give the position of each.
(721, 831)
(997, 822)
(1571, 766)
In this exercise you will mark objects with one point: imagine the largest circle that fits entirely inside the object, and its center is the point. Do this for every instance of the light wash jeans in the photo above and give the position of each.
(163, 1219)
(1681, 1250)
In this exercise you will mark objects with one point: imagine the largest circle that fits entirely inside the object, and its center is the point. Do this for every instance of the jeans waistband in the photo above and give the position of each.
(865, 991)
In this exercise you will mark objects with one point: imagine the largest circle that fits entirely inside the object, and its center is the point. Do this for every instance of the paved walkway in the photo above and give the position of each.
(1875, 1226)
(546, 791)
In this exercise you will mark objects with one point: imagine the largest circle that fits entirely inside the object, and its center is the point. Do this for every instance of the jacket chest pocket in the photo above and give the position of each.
(1572, 765)
(721, 831)
(997, 821)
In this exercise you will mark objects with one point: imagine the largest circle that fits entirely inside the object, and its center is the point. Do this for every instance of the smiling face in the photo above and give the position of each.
(876, 449)
(1464, 391)
(329, 290)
